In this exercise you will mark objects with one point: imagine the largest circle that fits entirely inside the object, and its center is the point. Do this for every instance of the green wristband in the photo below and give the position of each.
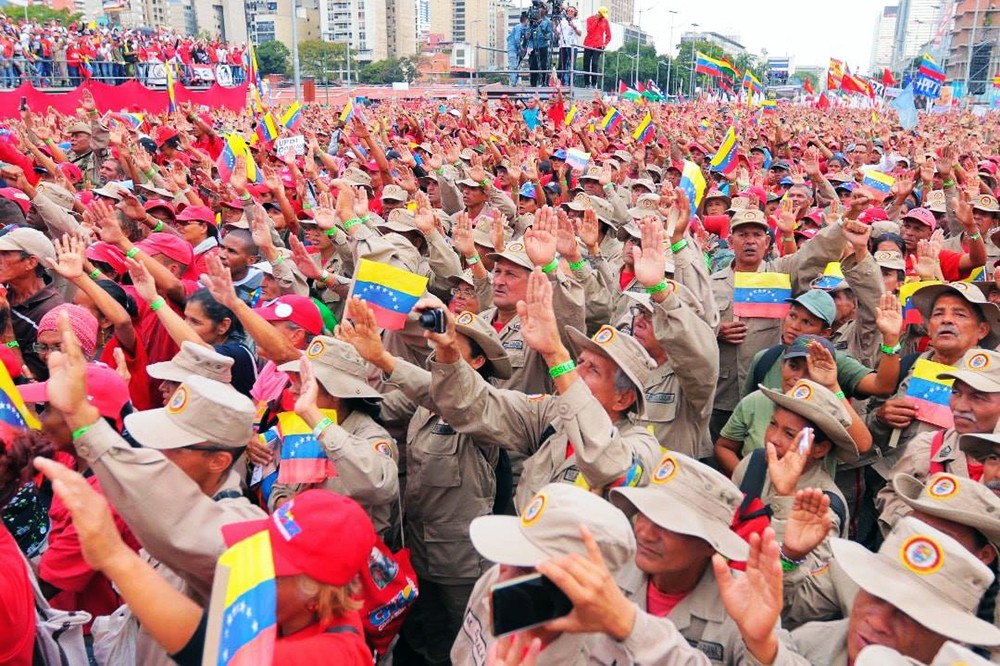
(366, 217)
(13, 344)
(840, 395)
(158, 227)
(891, 351)
(330, 233)
(655, 289)
(472, 260)
(131, 253)
(95, 274)
(679, 245)
(324, 277)
(577, 265)
(976, 236)
(551, 266)
(354, 221)
(157, 303)
(80, 432)
(562, 369)
(321, 426)
(485, 182)
(788, 566)
(948, 183)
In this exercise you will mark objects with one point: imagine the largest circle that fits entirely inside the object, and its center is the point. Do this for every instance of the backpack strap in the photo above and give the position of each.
(936, 443)
(837, 506)
(767, 359)
(753, 480)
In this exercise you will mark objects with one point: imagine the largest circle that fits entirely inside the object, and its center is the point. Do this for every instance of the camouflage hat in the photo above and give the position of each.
(927, 575)
(338, 368)
(483, 334)
(818, 405)
(624, 350)
(959, 500)
(688, 497)
(193, 359)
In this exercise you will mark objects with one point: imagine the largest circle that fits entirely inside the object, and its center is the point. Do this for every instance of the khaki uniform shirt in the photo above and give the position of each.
(89, 162)
(365, 456)
(823, 643)
(818, 593)
(168, 513)
(530, 374)
(860, 337)
(603, 452)
(450, 481)
(803, 266)
(957, 243)
(679, 393)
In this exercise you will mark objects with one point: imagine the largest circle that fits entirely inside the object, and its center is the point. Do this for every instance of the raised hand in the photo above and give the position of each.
(808, 523)
(856, 233)
(889, 318)
(786, 217)
(361, 332)
(69, 257)
(142, 280)
(589, 231)
(461, 235)
(539, 327)
(219, 282)
(785, 472)
(540, 239)
(303, 260)
(649, 259)
(566, 243)
(107, 222)
(305, 402)
(822, 366)
(424, 215)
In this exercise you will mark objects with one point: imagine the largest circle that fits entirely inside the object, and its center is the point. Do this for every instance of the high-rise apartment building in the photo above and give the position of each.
(479, 23)
(977, 22)
(916, 25)
(882, 40)
(360, 22)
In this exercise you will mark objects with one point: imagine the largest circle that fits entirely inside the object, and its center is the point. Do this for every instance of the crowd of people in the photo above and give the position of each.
(739, 417)
(55, 55)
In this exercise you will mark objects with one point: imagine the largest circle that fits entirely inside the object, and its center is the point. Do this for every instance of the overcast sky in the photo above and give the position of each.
(811, 32)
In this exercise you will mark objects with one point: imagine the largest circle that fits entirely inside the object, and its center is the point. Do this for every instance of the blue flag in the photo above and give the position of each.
(906, 109)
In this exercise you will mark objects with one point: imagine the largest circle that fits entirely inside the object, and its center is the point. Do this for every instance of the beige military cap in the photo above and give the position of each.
(477, 329)
(338, 368)
(819, 405)
(647, 205)
(394, 193)
(602, 207)
(986, 203)
(194, 359)
(356, 176)
(199, 411)
(621, 348)
(890, 259)
(959, 500)
(935, 201)
(399, 220)
(924, 299)
(623, 156)
(748, 216)
(979, 368)
(979, 445)
(927, 575)
(738, 203)
(516, 254)
(644, 182)
(688, 497)
(550, 527)
(593, 173)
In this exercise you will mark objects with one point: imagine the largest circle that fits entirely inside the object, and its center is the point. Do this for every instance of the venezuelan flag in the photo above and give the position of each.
(977, 275)
(13, 411)
(611, 120)
(761, 295)
(570, 115)
(911, 315)
(932, 395)
(303, 459)
(752, 83)
(267, 129)
(725, 157)
(391, 292)
(348, 112)
(172, 99)
(235, 146)
(832, 275)
(247, 627)
(136, 120)
(693, 184)
(644, 132)
(768, 107)
(879, 181)
(705, 64)
(931, 69)
(292, 117)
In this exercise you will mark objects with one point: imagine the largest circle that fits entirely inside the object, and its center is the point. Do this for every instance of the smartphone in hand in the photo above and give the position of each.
(526, 602)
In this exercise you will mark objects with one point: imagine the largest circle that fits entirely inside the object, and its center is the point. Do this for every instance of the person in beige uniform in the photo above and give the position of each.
(740, 340)
(551, 529)
(331, 375)
(680, 520)
(190, 359)
(975, 405)
(450, 477)
(921, 589)
(582, 436)
(862, 286)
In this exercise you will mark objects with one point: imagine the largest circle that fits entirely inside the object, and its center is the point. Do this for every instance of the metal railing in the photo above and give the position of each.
(58, 73)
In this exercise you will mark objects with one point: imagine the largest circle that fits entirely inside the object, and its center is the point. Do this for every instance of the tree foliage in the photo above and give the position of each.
(42, 14)
(324, 59)
(272, 57)
(389, 71)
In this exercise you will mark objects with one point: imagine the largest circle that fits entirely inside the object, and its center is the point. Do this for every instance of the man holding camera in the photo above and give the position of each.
(541, 38)
(569, 39)
(597, 39)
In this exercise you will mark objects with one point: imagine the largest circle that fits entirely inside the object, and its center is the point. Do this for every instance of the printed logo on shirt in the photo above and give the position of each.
(513, 344)
(284, 520)
(383, 448)
(382, 569)
(661, 398)
(178, 401)
(442, 429)
(316, 348)
(944, 487)
(922, 555)
(534, 510)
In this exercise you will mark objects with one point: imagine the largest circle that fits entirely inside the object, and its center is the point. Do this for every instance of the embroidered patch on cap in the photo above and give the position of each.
(316, 348)
(464, 319)
(283, 310)
(514, 247)
(978, 362)
(802, 392)
(605, 335)
(921, 555)
(665, 471)
(178, 401)
(943, 487)
(534, 510)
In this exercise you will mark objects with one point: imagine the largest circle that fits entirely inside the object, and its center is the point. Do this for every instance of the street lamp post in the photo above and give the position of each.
(295, 49)
(694, 45)
(671, 47)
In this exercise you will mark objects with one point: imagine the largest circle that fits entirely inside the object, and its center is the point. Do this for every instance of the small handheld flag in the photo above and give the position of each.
(611, 120)
(881, 182)
(725, 158)
(570, 115)
(348, 112)
(303, 459)
(292, 117)
(932, 395)
(391, 292)
(644, 132)
(172, 100)
(761, 295)
(577, 159)
(911, 315)
(693, 183)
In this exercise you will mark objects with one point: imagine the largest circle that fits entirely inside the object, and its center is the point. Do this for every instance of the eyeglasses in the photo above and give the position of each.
(464, 292)
(45, 349)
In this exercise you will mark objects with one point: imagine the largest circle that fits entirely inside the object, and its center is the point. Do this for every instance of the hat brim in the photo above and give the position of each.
(844, 447)
(875, 575)
(496, 356)
(797, 301)
(523, 262)
(337, 383)
(6, 245)
(580, 342)
(155, 430)
(976, 380)
(168, 371)
(500, 540)
(679, 516)
(977, 446)
(911, 489)
(923, 301)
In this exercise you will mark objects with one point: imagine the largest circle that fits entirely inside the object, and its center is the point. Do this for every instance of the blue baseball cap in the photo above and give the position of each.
(818, 303)
(527, 190)
(560, 154)
(786, 181)
(800, 347)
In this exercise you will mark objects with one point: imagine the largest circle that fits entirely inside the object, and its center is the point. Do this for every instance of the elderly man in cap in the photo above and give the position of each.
(479, 196)
(569, 528)
(921, 589)
(179, 489)
(451, 477)
(680, 521)
(984, 449)
(582, 436)
(975, 406)
(24, 254)
(741, 338)
(88, 141)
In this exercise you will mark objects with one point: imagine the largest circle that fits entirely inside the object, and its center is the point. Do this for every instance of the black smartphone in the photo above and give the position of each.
(526, 602)
(24, 104)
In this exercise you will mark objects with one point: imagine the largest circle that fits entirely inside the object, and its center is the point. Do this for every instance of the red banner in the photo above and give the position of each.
(129, 96)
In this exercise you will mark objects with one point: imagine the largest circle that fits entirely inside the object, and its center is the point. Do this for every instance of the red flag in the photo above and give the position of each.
(622, 88)
(822, 102)
(831, 82)
(557, 113)
(887, 78)
(850, 83)
(808, 87)
(641, 88)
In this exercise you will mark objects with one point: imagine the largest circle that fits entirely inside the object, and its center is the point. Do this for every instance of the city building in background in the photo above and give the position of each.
(728, 43)
(917, 25)
(976, 22)
(272, 19)
(884, 38)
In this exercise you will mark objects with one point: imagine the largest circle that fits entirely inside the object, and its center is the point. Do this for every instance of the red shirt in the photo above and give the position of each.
(313, 645)
(211, 144)
(140, 385)
(17, 606)
(949, 265)
(661, 604)
(598, 32)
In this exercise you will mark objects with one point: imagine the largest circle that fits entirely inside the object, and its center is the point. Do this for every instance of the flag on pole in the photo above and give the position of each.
(834, 74)
(292, 117)
(725, 157)
(611, 120)
(693, 183)
(348, 112)
(267, 129)
(253, 75)
(644, 132)
(236, 146)
(752, 83)
(931, 69)
(905, 106)
(705, 64)
(172, 100)
(808, 87)
(887, 78)
(627, 93)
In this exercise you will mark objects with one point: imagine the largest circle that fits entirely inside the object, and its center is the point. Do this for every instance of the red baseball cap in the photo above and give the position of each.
(873, 214)
(164, 134)
(235, 204)
(197, 214)
(71, 172)
(924, 216)
(301, 531)
(300, 310)
(159, 203)
(17, 196)
(106, 390)
(109, 254)
(169, 245)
